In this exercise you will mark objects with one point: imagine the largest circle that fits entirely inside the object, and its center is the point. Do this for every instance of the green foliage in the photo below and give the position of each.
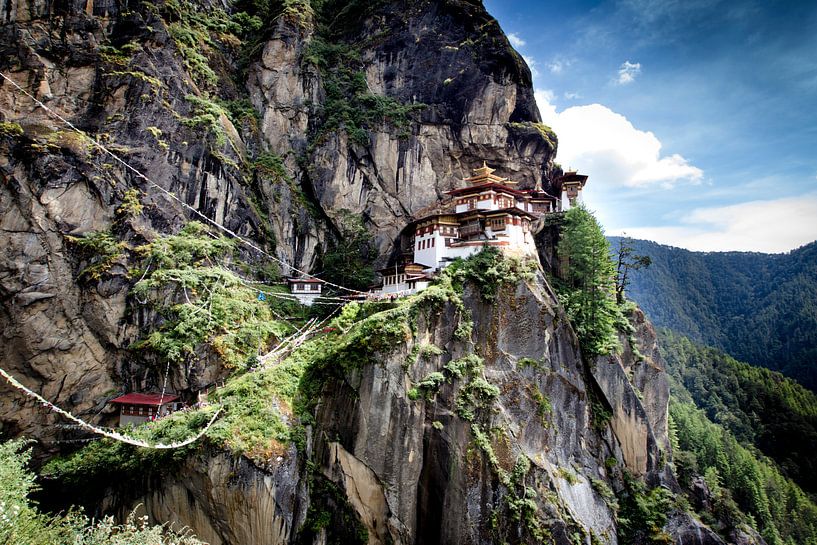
(21, 522)
(465, 327)
(207, 115)
(253, 423)
(239, 110)
(154, 82)
(587, 290)
(643, 513)
(270, 165)
(247, 23)
(131, 206)
(567, 475)
(430, 350)
(742, 480)
(201, 301)
(759, 308)
(348, 260)
(465, 366)
(255, 404)
(478, 394)
(429, 385)
(543, 406)
(118, 56)
(627, 260)
(349, 104)
(520, 500)
(603, 489)
(543, 130)
(758, 406)
(10, 129)
(102, 249)
(489, 270)
(359, 339)
(198, 32)
(523, 363)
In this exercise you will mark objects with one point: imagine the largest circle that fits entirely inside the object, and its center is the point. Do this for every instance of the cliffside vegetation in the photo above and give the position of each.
(21, 522)
(258, 402)
(759, 308)
(587, 281)
(188, 281)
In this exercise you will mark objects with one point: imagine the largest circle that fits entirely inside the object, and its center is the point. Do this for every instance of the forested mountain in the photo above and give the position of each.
(759, 308)
(759, 407)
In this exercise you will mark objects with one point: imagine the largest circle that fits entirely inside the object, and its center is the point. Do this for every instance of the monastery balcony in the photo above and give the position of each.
(470, 230)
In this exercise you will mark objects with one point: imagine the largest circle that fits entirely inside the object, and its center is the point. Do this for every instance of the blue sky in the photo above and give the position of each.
(695, 119)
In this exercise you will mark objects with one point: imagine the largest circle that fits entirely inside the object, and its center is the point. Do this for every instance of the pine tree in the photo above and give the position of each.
(589, 275)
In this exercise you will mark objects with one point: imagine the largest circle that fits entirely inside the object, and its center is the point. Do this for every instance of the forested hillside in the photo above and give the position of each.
(759, 407)
(759, 308)
(727, 417)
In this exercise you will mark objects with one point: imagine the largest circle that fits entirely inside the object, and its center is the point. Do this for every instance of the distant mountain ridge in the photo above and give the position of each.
(759, 308)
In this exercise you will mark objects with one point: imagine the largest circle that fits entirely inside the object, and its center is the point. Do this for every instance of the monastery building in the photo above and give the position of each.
(488, 211)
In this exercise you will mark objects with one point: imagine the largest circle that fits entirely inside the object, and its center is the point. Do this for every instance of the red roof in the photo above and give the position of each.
(145, 399)
(482, 187)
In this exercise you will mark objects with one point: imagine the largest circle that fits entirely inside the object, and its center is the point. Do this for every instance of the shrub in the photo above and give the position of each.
(202, 301)
(489, 270)
(11, 129)
(21, 522)
(102, 249)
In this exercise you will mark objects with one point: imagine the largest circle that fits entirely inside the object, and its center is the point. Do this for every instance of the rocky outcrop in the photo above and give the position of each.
(439, 477)
(127, 80)
(225, 500)
(507, 441)
(451, 60)
(634, 383)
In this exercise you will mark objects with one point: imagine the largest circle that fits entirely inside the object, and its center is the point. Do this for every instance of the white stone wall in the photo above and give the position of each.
(427, 254)
(131, 420)
(307, 298)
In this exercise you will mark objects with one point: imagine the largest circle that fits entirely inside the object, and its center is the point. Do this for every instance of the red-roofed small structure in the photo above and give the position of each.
(136, 408)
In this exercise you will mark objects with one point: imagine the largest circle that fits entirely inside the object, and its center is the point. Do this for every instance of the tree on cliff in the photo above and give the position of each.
(627, 260)
(588, 284)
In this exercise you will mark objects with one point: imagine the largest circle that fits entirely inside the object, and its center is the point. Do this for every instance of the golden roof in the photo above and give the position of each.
(485, 174)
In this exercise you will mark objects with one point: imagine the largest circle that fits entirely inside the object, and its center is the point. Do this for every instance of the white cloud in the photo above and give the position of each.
(572, 96)
(606, 146)
(544, 96)
(627, 72)
(531, 62)
(515, 40)
(557, 66)
(770, 226)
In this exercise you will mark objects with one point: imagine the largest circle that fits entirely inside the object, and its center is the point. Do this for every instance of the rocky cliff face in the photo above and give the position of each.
(162, 86)
(505, 435)
(280, 127)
